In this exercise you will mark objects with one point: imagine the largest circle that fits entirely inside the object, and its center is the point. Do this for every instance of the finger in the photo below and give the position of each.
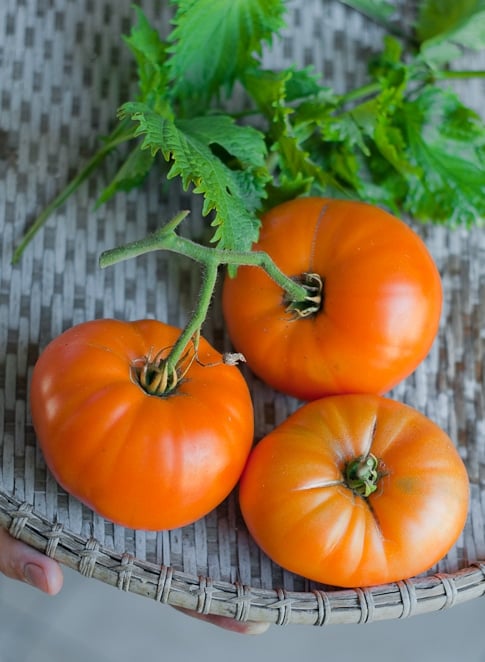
(247, 627)
(19, 561)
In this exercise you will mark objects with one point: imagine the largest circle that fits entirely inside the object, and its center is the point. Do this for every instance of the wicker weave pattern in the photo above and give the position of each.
(64, 71)
(205, 595)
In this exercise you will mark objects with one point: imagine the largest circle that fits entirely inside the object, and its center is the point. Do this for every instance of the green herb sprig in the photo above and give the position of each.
(403, 140)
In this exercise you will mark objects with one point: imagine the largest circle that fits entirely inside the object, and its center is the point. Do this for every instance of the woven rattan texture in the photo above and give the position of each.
(63, 72)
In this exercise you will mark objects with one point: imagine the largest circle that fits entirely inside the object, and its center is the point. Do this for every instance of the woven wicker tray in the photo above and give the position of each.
(63, 72)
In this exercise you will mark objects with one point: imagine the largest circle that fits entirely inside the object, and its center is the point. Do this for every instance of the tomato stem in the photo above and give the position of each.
(361, 475)
(313, 302)
(157, 377)
(211, 258)
(192, 328)
(167, 239)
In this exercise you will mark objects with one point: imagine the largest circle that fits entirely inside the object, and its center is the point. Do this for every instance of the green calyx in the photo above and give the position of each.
(155, 376)
(361, 475)
(312, 303)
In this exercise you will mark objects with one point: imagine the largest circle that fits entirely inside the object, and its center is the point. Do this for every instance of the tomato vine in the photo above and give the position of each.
(211, 259)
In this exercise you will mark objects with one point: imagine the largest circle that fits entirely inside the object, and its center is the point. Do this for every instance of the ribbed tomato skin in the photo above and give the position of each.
(381, 305)
(299, 509)
(142, 461)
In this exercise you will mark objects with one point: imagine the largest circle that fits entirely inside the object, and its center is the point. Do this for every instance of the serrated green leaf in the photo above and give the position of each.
(376, 118)
(447, 143)
(344, 129)
(228, 193)
(388, 66)
(379, 10)
(445, 27)
(286, 189)
(276, 93)
(290, 126)
(215, 41)
(268, 90)
(296, 162)
(334, 147)
(444, 17)
(440, 53)
(245, 147)
(301, 84)
(391, 143)
(245, 143)
(131, 174)
(150, 54)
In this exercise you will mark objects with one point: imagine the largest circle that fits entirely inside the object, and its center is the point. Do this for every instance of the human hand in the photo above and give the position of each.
(19, 561)
(226, 623)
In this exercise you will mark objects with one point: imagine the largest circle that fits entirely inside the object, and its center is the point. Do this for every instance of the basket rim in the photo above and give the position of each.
(201, 594)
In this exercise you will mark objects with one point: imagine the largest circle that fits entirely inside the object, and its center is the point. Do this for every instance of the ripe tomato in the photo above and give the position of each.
(306, 492)
(379, 307)
(143, 461)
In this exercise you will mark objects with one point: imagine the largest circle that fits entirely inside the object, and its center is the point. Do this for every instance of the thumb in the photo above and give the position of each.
(226, 623)
(19, 561)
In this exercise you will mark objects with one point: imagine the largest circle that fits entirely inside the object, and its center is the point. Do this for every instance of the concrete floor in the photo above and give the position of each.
(91, 621)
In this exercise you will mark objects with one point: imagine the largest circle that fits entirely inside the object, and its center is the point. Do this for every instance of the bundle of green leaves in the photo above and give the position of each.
(404, 140)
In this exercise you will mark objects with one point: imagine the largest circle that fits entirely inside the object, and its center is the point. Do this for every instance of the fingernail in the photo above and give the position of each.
(35, 576)
(255, 628)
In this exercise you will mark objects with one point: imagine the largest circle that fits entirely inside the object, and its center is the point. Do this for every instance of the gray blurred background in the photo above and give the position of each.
(91, 621)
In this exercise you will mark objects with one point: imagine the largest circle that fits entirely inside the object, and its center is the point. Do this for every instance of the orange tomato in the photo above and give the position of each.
(379, 307)
(355, 490)
(143, 461)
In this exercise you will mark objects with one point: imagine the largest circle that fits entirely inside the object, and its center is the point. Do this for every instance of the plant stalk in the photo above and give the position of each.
(167, 239)
(195, 323)
(375, 87)
(450, 74)
(211, 259)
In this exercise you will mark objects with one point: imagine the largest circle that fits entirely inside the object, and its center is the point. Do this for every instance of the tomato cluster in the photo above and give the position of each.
(354, 488)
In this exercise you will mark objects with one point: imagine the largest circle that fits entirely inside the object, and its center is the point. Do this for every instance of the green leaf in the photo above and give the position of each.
(301, 84)
(425, 148)
(379, 10)
(391, 143)
(438, 18)
(131, 174)
(286, 189)
(215, 41)
(376, 118)
(150, 54)
(244, 151)
(231, 194)
(268, 90)
(243, 142)
(290, 126)
(388, 66)
(446, 27)
(447, 143)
